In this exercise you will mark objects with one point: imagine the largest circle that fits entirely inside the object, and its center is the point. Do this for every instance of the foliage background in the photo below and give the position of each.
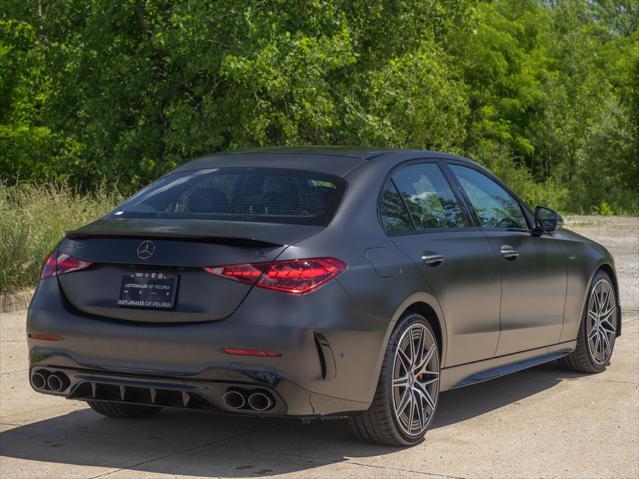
(545, 93)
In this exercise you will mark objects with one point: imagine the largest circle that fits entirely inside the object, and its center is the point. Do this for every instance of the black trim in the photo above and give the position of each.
(461, 195)
(429, 231)
(504, 369)
(231, 241)
(568, 341)
(326, 357)
(399, 193)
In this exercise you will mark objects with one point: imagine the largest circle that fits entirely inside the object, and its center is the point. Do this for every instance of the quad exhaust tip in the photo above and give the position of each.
(38, 380)
(260, 402)
(234, 399)
(45, 381)
(256, 401)
(56, 383)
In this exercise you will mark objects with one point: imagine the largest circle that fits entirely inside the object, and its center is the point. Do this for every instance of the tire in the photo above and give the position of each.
(415, 391)
(587, 356)
(123, 411)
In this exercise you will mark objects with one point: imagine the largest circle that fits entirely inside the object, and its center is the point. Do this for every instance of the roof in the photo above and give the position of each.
(336, 160)
(337, 151)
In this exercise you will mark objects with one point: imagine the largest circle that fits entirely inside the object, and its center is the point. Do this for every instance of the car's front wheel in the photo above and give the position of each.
(598, 329)
(123, 411)
(408, 387)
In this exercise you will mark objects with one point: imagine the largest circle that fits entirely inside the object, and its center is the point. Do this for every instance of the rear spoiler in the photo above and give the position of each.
(225, 240)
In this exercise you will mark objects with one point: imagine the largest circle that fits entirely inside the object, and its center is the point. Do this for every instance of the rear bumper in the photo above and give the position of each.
(328, 363)
(288, 398)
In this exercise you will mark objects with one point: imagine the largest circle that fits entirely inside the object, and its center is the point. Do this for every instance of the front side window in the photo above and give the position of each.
(268, 195)
(428, 197)
(494, 206)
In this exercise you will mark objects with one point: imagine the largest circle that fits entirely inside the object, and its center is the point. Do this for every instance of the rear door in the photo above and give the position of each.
(532, 268)
(427, 221)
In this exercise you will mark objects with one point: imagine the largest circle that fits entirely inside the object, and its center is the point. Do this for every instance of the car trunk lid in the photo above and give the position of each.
(120, 249)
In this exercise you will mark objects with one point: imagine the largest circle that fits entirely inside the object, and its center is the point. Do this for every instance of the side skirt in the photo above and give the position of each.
(479, 371)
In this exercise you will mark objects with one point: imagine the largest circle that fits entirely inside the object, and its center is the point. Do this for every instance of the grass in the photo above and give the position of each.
(33, 219)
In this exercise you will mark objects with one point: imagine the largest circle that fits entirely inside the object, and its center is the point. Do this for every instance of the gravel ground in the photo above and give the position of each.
(543, 422)
(620, 234)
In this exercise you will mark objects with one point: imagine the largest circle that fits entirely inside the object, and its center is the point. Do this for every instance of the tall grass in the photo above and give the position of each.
(33, 218)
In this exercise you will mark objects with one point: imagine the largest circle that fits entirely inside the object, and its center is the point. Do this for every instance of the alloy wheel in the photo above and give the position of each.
(415, 380)
(601, 326)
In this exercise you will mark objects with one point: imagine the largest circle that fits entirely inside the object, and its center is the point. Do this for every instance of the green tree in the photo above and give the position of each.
(543, 92)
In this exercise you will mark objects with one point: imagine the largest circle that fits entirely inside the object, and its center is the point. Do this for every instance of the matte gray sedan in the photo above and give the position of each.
(313, 283)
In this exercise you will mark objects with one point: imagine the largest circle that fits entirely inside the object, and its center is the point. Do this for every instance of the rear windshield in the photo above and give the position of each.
(239, 194)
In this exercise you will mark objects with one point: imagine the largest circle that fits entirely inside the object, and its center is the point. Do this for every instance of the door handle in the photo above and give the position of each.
(509, 253)
(432, 259)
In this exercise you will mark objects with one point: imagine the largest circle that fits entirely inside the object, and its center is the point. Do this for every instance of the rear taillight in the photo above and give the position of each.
(297, 276)
(48, 266)
(61, 263)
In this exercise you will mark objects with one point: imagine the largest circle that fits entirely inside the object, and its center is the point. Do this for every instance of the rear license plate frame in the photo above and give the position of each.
(148, 290)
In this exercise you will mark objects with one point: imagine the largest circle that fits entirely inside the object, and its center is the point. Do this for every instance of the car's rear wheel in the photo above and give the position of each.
(598, 329)
(408, 387)
(123, 411)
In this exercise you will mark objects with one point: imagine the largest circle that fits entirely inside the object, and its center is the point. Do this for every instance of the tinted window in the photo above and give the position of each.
(428, 196)
(494, 207)
(239, 194)
(394, 215)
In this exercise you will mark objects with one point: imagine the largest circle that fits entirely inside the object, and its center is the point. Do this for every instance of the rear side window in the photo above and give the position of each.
(394, 215)
(267, 195)
(428, 197)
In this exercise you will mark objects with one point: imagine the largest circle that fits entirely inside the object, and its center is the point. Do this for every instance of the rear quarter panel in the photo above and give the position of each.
(359, 334)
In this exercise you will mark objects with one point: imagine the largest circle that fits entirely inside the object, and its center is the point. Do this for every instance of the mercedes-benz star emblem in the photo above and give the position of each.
(146, 249)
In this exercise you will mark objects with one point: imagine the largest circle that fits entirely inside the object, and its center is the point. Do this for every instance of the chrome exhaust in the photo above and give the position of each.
(38, 380)
(260, 401)
(234, 399)
(57, 382)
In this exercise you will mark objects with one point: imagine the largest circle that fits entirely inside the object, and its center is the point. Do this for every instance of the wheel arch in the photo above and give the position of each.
(428, 307)
(422, 303)
(429, 313)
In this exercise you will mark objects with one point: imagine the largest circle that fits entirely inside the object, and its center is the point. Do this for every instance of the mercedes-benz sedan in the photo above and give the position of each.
(313, 283)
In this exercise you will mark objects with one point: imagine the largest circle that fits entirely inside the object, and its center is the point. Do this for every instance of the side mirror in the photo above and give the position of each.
(547, 220)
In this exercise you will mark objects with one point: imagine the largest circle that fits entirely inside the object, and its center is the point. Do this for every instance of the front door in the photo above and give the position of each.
(532, 268)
